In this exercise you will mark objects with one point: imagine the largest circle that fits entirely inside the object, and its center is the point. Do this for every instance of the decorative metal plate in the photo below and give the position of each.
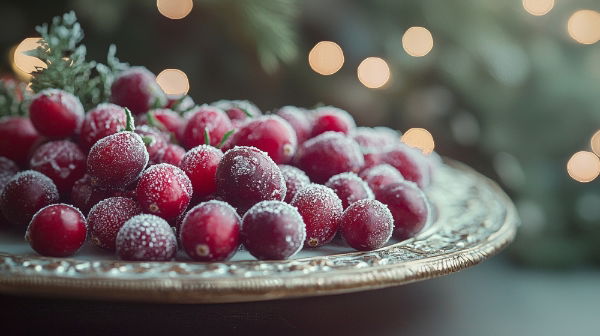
(474, 220)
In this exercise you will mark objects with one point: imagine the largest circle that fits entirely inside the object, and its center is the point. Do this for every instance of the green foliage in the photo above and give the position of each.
(13, 98)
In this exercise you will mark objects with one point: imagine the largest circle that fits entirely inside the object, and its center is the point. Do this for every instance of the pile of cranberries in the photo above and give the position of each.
(142, 178)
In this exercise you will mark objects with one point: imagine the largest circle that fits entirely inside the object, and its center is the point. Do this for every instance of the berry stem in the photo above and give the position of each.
(206, 136)
(224, 138)
(129, 125)
(248, 114)
(152, 121)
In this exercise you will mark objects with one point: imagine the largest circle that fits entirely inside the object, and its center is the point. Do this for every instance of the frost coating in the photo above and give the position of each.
(164, 190)
(375, 139)
(295, 179)
(101, 121)
(146, 238)
(367, 225)
(349, 188)
(381, 175)
(107, 217)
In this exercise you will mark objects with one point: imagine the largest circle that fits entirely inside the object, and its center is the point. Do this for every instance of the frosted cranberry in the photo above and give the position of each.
(107, 217)
(155, 141)
(164, 190)
(180, 104)
(380, 176)
(165, 120)
(84, 196)
(349, 188)
(375, 139)
(62, 161)
(26, 193)
(298, 120)
(270, 134)
(56, 113)
(200, 165)
(238, 111)
(211, 232)
(101, 121)
(329, 118)
(367, 225)
(58, 230)
(329, 154)
(408, 205)
(146, 238)
(172, 154)
(17, 138)
(295, 179)
(410, 163)
(8, 169)
(372, 159)
(136, 89)
(321, 210)
(246, 176)
(205, 119)
(273, 230)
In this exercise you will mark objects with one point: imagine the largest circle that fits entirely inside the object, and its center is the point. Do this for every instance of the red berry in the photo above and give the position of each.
(84, 196)
(410, 162)
(117, 160)
(349, 188)
(329, 154)
(26, 193)
(60, 160)
(375, 139)
(238, 111)
(107, 217)
(299, 120)
(57, 230)
(211, 232)
(246, 176)
(101, 121)
(8, 169)
(321, 210)
(295, 179)
(172, 154)
(17, 138)
(180, 104)
(146, 238)
(136, 89)
(380, 176)
(56, 113)
(273, 230)
(164, 190)
(367, 225)
(205, 119)
(200, 165)
(270, 134)
(372, 159)
(155, 141)
(168, 120)
(329, 118)
(408, 205)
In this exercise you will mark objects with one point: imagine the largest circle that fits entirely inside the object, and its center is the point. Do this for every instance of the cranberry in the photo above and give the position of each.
(56, 113)
(380, 176)
(164, 190)
(238, 111)
(408, 205)
(299, 120)
(375, 139)
(26, 193)
(246, 176)
(146, 238)
(136, 89)
(172, 154)
(58, 230)
(107, 217)
(295, 179)
(180, 104)
(200, 164)
(367, 225)
(165, 120)
(17, 138)
(372, 159)
(205, 119)
(211, 232)
(8, 169)
(273, 230)
(410, 162)
(84, 196)
(101, 121)
(155, 142)
(321, 210)
(270, 134)
(329, 154)
(329, 118)
(60, 160)
(349, 188)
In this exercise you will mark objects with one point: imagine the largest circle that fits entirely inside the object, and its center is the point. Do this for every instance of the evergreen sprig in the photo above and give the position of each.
(13, 98)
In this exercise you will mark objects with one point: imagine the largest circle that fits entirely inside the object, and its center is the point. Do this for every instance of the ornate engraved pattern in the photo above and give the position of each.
(475, 219)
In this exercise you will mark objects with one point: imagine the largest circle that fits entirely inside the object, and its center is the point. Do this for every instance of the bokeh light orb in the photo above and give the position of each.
(538, 7)
(23, 64)
(175, 9)
(583, 166)
(173, 82)
(584, 26)
(373, 72)
(595, 142)
(419, 138)
(326, 58)
(417, 41)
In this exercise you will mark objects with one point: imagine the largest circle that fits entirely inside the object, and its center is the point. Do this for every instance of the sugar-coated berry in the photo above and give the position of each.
(172, 154)
(167, 120)
(238, 111)
(367, 225)
(8, 169)
(408, 205)
(349, 188)
(200, 165)
(180, 103)
(17, 138)
(136, 89)
(156, 142)
(101, 121)
(146, 238)
(410, 162)
(205, 119)
(164, 190)
(295, 179)
(299, 120)
(380, 176)
(273, 230)
(329, 154)
(57, 230)
(62, 161)
(332, 119)
(210, 231)
(84, 196)
(56, 113)
(107, 217)
(375, 139)
(321, 210)
(26, 193)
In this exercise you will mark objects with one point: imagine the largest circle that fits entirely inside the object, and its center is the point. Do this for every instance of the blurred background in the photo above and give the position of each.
(509, 87)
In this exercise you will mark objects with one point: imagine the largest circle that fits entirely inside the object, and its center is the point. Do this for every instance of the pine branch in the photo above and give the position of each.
(13, 98)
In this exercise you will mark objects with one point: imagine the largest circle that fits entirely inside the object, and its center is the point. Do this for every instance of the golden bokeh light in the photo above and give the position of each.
(326, 58)
(417, 41)
(23, 65)
(538, 7)
(595, 142)
(175, 9)
(419, 138)
(583, 166)
(373, 72)
(584, 26)
(173, 82)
